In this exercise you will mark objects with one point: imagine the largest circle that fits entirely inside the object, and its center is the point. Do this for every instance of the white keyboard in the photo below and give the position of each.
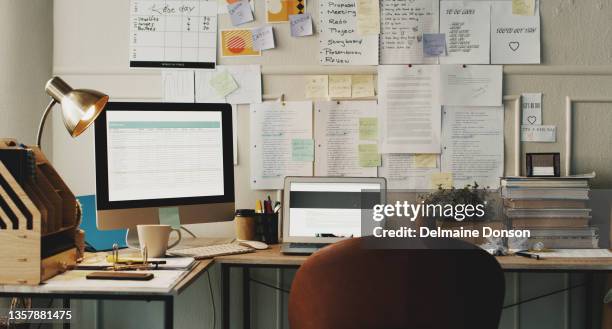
(212, 251)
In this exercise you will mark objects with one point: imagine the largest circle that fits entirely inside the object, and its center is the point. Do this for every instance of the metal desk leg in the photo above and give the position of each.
(246, 298)
(66, 304)
(225, 296)
(169, 313)
(588, 288)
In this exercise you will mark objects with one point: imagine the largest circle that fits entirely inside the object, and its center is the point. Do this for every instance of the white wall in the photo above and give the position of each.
(91, 49)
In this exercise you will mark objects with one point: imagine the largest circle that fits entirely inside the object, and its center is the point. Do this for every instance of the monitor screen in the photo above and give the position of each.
(330, 208)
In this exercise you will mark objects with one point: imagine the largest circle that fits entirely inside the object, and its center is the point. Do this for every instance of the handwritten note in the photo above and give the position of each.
(362, 86)
(441, 179)
(302, 150)
(368, 155)
(434, 44)
(339, 42)
(223, 83)
(514, 39)
(368, 17)
(263, 38)
(542, 134)
(317, 86)
(531, 108)
(368, 129)
(523, 7)
(340, 86)
(301, 25)
(466, 25)
(426, 160)
(240, 12)
(403, 24)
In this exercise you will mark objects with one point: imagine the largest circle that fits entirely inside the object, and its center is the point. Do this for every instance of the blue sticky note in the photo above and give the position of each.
(434, 44)
(96, 239)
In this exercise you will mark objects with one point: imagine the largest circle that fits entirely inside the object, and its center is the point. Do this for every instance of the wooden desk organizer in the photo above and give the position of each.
(39, 216)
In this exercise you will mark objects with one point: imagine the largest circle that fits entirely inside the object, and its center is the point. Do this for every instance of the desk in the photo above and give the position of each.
(167, 297)
(273, 258)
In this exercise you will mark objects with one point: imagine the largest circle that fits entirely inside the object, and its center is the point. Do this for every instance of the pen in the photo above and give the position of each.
(258, 209)
(527, 255)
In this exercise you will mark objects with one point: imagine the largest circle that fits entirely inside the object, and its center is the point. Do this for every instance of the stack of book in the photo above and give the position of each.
(554, 209)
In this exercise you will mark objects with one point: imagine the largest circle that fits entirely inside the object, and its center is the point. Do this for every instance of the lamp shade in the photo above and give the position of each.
(80, 107)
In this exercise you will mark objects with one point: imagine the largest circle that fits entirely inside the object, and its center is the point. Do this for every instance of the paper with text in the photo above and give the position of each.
(247, 77)
(368, 17)
(402, 26)
(401, 172)
(473, 145)
(536, 133)
(274, 125)
(240, 12)
(514, 39)
(339, 42)
(466, 25)
(531, 109)
(409, 108)
(263, 38)
(473, 85)
(178, 86)
(362, 86)
(317, 86)
(337, 138)
(301, 25)
(340, 86)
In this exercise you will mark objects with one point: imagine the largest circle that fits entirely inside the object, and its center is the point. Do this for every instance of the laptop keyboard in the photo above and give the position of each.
(307, 245)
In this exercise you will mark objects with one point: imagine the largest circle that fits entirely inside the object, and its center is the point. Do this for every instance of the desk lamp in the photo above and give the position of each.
(80, 107)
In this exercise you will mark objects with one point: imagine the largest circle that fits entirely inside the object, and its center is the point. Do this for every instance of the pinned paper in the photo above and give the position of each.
(223, 83)
(178, 86)
(340, 86)
(523, 7)
(368, 17)
(240, 12)
(514, 39)
(434, 44)
(442, 179)
(301, 25)
(263, 38)
(237, 42)
(368, 155)
(362, 86)
(317, 86)
(278, 11)
(532, 109)
(170, 216)
(302, 150)
(426, 160)
(542, 134)
(368, 128)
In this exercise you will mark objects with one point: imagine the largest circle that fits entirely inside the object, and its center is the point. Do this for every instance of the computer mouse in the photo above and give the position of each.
(254, 244)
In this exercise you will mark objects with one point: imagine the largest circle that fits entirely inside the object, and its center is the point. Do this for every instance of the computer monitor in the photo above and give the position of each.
(154, 155)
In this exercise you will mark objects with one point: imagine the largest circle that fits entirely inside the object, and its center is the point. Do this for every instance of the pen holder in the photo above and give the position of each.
(266, 228)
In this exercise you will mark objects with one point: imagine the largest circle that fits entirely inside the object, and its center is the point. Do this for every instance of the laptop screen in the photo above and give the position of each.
(329, 209)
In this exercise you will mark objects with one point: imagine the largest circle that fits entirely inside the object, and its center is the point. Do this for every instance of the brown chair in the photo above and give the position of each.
(346, 285)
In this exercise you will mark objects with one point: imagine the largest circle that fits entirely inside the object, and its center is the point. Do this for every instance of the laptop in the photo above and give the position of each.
(318, 211)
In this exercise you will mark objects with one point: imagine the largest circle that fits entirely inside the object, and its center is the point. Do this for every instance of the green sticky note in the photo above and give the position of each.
(368, 155)
(302, 150)
(170, 216)
(368, 128)
(223, 83)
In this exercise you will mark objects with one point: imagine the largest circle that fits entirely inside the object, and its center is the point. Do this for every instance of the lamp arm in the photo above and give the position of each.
(42, 121)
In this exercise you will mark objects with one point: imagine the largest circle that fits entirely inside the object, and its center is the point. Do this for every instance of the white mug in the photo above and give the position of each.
(155, 238)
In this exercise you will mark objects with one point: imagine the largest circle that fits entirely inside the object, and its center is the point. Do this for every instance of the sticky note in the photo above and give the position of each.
(340, 86)
(170, 216)
(368, 155)
(523, 7)
(240, 12)
(425, 160)
(301, 25)
(223, 83)
(362, 86)
(302, 150)
(444, 179)
(368, 128)
(316, 86)
(368, 17)
(263, 38)
(434, 44)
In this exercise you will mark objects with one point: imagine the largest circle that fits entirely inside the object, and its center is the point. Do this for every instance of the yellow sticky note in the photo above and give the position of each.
(368, 129)
(426, 160)
(368, 155)
(444, 179)
(340, 86)
(368, 17)
(223, 83)
(362, 86)
(316, 86)
(523, 7)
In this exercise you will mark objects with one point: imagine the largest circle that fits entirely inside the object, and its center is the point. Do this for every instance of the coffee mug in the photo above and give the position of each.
(155, 238)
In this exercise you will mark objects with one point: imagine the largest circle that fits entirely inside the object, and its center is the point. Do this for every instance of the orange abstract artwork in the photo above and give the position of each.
(279, 10)
(237, 42)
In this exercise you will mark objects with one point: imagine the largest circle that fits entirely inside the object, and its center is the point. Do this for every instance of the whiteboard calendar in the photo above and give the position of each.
(173, 34)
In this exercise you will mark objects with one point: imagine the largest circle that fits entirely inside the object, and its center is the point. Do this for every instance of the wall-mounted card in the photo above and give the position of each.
(278, 11)
(263, 38)
(532, 108)
(542, 134)
(514, 39)
(237, 42)
(301, 25)
(240, 12)
(317, 86)
(434, 44)
(362, 86)
(340, 86)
